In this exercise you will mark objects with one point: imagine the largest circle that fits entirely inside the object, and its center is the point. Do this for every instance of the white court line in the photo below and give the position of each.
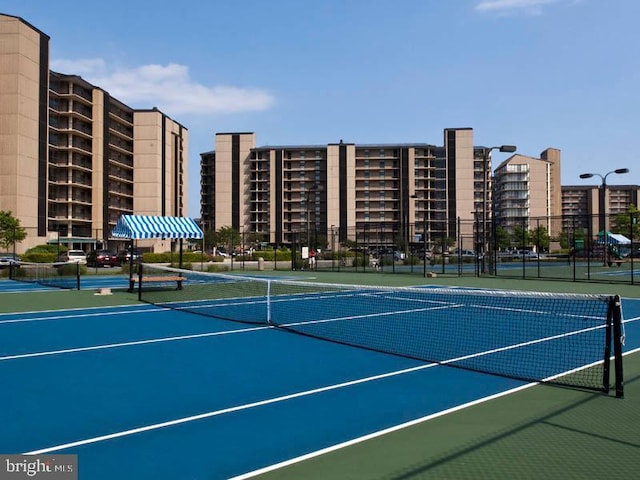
(215, 413)
(380, 433)
(107, 307)
(82, 315)
(4, 291)
(191, 336)
(282, 398)
(133, 343)
(292, 324)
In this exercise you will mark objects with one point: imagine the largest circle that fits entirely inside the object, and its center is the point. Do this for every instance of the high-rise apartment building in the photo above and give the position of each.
(395, 192)
(527, 192)
(73, 158)
(590, 207)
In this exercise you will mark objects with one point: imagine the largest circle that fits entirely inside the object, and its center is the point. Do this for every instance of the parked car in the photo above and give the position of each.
(124, 256)
(102, 258)
(9, 260)
(73, 256)
(464, 253)
(527, 255)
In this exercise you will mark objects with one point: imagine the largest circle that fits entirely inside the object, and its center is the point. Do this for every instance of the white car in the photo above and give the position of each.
(8, 260)
(528, 255)
(464, 253)
(74, 256)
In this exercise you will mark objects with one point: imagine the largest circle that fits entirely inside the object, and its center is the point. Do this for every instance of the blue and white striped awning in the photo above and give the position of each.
(147, 226)
(613, 238)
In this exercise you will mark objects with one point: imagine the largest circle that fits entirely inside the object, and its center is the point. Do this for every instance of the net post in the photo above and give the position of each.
(268, 302)
(78, 275)
(606, 358)
(618, 341)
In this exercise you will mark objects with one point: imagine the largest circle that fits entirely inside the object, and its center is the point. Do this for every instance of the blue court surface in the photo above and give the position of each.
(87, 283)
(144, 392)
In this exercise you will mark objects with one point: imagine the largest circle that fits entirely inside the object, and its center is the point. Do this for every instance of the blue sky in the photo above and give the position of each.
(534, 73)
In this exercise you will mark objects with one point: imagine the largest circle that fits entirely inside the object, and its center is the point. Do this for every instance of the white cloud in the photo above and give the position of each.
(168, 87)
(527, 6)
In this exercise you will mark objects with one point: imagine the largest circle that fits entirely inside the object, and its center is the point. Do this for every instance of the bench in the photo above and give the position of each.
(618, 261)
(178, 280)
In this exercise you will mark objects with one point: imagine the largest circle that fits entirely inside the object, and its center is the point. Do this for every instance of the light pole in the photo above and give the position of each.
(333, 248)
(486, 174)
(603, 207)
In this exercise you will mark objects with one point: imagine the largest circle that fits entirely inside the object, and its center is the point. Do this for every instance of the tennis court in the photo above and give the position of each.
(140, 390)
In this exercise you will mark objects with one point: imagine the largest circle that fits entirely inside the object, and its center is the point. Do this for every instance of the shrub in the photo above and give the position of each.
(190, 257)
(51, 249)
(217, 268)
(360, 260)
(185, 265)
(412, 260)
(39, 257)
(70, 269)
(168, 257)
(125, 268)
(387, 261)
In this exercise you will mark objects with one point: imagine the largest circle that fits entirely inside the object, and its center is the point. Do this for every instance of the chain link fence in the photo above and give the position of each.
(580, 248)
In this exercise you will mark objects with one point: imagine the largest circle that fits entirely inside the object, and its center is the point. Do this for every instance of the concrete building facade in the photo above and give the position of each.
(72, 157)
(591, 208)
(395, 192)
(528, 192)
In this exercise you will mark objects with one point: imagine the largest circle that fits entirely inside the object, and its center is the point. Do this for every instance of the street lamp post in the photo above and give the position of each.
(486, 155)
(478, 243)
(333, 248)
(603, 207)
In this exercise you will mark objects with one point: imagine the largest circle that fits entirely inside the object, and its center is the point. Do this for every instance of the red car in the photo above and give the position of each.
(102, 258)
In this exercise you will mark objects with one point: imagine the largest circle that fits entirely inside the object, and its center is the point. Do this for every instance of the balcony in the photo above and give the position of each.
(125, 146)
(121, 189)
(122, 131)
(121, 175)
(120, 114)
(120, 159)
(82, 199)
(80, 180)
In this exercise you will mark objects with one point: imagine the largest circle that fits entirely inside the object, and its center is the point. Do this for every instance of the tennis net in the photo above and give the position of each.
(565, 339)
(59, 275)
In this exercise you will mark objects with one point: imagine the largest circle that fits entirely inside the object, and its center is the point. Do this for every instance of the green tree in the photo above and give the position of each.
(10, 230)
(503, 239)
(628, 223)
(252, 239)
(438, 244)
(229, 237)
(568, 239)
(565, 239)
(210, 239)
(540, 237)
(520, 237)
